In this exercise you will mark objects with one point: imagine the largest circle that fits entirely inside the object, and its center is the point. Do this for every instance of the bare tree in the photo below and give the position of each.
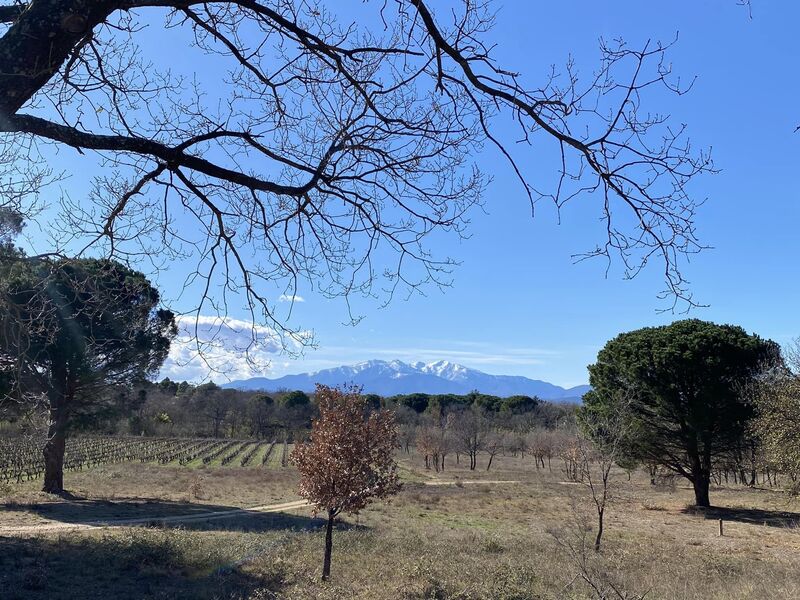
(333, 148)
(470, 428)
(405, 435)
(542, 444)
(446, 442)
(568, 447)
(427, 444)
(493, 445)
(777, 426)
(573, 541)
(601, 445)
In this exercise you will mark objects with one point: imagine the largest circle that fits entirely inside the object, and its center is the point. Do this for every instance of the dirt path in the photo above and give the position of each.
(197, 517)
(468, 482)
(193, 518)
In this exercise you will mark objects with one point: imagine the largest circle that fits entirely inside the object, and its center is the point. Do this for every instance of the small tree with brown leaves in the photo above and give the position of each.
(349, 460)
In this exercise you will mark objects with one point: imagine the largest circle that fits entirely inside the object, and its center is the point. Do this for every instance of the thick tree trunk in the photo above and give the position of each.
(326, 563)
(489, 465)
(54, 452)
(59, 397)
(701, 480)
(40, 41)
(701, 484)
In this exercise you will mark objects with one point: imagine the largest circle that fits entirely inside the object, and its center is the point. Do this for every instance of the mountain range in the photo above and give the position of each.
(396, 377)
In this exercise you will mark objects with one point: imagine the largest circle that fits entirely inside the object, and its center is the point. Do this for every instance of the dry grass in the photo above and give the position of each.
(477, 540)
(231, 485)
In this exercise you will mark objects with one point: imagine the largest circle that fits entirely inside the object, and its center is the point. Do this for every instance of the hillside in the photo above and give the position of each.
(397, 377)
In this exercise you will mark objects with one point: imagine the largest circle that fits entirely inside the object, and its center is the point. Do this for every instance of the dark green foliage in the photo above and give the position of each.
(519, 404)
(484, 401)
(416, 402)
(11, 224)
(263, 399)
(168, 386)
(295, 399)
(443, 403)
(69, 329)
(683, 382)
(437, 404)
(89, 320)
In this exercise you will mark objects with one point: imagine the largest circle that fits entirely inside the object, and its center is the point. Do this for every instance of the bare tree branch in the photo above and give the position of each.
(331, 151)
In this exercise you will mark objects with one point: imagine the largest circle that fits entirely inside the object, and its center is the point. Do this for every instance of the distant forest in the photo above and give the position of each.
(170, 408)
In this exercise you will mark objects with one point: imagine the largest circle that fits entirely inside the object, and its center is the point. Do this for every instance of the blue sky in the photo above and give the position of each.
(518, 303)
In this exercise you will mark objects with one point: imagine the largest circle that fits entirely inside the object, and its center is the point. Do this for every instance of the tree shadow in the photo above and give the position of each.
(140, 566)
(163, 513)
(753, 516)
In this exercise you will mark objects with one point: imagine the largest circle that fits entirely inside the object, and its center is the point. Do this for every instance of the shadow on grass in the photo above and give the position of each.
(138, 564)
(163, 513)
(755, 516)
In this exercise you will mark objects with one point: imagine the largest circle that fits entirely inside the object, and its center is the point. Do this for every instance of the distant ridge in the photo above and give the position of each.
(396, 377)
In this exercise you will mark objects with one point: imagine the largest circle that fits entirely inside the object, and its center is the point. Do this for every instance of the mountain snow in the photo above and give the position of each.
(397, 377)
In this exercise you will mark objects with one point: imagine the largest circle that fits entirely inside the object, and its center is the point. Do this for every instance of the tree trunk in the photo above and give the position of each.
(326, 564)
(53, 451)
(701, 484)
(701, 479)
(489, 465)
(59, 397)
(599, 530)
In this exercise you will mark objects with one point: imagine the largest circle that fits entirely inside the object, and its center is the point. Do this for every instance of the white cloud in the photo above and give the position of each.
(484, 358)
(220, 348)
(285, 298)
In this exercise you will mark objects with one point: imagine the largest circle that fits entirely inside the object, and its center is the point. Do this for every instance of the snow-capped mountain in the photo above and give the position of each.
(396, 377)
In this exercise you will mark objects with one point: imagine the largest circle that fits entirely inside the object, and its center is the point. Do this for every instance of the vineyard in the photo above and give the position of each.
(21, 458)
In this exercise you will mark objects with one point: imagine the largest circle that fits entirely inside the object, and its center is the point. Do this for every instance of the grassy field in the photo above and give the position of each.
(511, 533)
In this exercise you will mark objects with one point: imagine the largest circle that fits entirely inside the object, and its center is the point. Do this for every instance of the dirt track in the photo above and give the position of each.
(193, 518)
(468, 482)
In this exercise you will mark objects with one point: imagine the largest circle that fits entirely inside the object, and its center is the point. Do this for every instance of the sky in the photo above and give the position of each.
(519, 304)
